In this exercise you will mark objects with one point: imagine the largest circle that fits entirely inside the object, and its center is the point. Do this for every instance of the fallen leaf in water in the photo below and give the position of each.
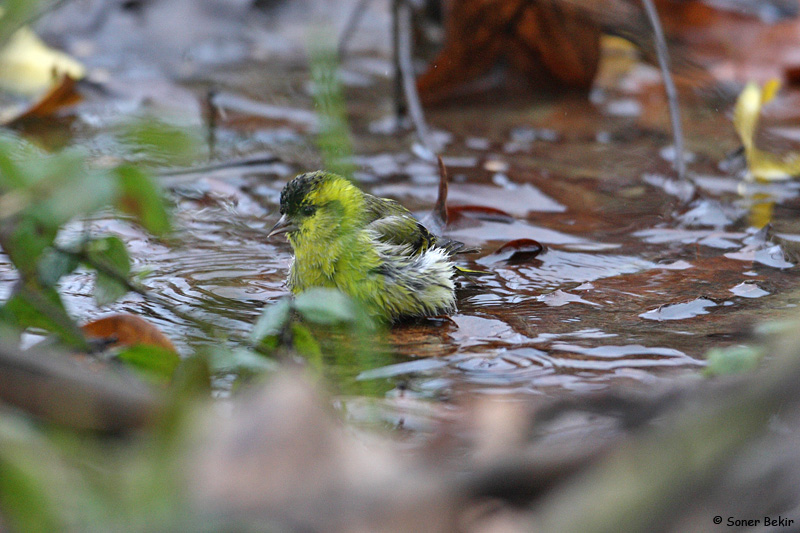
(444, 215)
(127, 330)
(45, 77)
(480, 212)
(60, 95)
(520, 250)
(29, 67)
(439, 214)
(547, 40)
(761, 165)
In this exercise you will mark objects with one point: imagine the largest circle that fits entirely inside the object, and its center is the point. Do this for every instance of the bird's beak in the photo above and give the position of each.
(282, 226)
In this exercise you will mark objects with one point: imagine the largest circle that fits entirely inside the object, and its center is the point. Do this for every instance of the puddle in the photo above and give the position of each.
(633, 285)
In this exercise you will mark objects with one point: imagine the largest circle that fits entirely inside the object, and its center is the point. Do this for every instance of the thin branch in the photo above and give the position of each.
(669, 86)
(397, 77)
(407, 76)
(440, 209)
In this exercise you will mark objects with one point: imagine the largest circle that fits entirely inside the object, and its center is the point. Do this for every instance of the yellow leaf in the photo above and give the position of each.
(746, 113)
(771, 88)
(761, 165)
(29, 67)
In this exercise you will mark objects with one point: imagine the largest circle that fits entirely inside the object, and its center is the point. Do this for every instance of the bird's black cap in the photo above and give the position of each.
(296, 191)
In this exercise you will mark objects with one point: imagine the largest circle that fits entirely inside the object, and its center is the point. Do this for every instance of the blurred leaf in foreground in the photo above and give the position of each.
(142, 198)
(153, 361)
(33, 306)
(733, 360)
(40, 192)
(238, 360)
(325, 306)
(114, 265)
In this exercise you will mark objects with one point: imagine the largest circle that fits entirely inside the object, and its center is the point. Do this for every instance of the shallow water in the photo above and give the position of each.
(635, 284)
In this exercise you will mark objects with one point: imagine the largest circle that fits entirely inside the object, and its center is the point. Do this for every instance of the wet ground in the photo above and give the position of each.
(642, 274)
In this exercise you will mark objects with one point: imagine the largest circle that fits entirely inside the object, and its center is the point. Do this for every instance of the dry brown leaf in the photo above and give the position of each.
(60, 95)
(127, 330)
(547, 40)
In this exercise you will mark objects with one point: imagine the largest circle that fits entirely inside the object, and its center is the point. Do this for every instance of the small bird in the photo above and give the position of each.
(370, 248)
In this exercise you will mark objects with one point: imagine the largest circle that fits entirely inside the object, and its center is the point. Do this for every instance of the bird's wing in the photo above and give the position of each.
(402, 230)
(395, 224)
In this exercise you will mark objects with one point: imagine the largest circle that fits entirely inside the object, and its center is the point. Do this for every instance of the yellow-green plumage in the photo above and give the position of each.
(368, 247)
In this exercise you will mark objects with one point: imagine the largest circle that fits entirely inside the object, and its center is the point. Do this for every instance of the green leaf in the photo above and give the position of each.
(64, 187)
(53, 265)
(15, 14)
(325, 306)
(27, 243)
(26, 505)
(305, 344)
(733, 360)
(111, 256)
(142, 198)
(11, 176)
(192, 378)
(239, 360)
(153, 361)
(272, 320)
(31, 306)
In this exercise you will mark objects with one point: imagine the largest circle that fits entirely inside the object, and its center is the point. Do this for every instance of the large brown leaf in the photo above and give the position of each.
(544, 41)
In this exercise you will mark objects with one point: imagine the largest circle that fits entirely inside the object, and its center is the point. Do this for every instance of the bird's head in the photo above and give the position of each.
(318, 205)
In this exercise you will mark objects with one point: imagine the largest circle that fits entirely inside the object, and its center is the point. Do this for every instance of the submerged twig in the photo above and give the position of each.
(669, 86)
(210, 113)
(440, 209)
(399, 104)
(406, 66)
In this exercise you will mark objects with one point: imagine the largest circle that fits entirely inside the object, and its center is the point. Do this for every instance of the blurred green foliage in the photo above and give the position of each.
(333, 138)
(15, 13)
(733, 360)
(333, 332)
(42, 192)
(53, 478)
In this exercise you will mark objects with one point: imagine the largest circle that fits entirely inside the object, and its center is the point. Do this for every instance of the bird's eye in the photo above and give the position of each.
(308, 210)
